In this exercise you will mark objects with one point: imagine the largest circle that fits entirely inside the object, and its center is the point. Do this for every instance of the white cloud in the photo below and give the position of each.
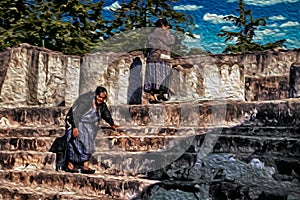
(260, 34)
(294, 42)
(289, 24)
(214, 18)
(187, 7)
(230, 28)
(216, 44)
(113, 6)
(264, 2)
(273, 25)
(276, 18)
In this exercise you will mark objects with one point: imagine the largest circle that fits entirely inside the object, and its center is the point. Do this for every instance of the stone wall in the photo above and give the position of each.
(33, 76)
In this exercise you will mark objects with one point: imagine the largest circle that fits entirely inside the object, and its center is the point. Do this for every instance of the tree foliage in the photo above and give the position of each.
(135, 15)
(77, 26)
(69, 26)
(244, 38)
(143, 13)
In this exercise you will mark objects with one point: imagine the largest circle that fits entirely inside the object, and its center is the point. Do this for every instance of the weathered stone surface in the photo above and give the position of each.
(21, 131)
(258, 146)
(263, 131)
(266, 88)
(120, 187)
(23, 159)
(138, 143)
(253, 136)
(138, 163)
(37, 76)
(41, 144)
(52, 78)
(35, 116)
(294, 81)
(111, 70)
(10, 190)
(174, 115)
(224, 174)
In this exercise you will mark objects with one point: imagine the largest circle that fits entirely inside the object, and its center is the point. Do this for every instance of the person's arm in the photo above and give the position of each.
(69, 120)
(106, 115)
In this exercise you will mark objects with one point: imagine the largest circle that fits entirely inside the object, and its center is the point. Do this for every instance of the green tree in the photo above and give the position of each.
(68, 26)
(143, 13)
(244, 37)
(11, 12)
(135, 15)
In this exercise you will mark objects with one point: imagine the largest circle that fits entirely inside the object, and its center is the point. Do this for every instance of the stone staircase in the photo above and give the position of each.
(146, 150)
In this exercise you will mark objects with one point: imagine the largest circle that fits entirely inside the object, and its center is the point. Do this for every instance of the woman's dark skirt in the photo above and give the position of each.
(158, 77)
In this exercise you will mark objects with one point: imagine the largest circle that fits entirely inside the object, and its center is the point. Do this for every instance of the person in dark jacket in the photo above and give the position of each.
(82, 123)
(158, 69)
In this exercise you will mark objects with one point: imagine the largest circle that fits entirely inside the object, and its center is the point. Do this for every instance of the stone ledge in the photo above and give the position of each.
(250, 129)
(96, 184)
(22, 159)
(11, 190)
(41, 144)
(25, 131)
(209, 113)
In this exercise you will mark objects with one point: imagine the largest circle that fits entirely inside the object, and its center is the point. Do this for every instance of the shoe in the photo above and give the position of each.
(71, 170)
(162, 97)
(88, 171)
(153, 100)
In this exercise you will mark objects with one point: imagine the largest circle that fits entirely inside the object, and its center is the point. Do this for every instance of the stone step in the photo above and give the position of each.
(35, 116)
(236, 143)
(102, 143)
(137, 162)
(257, 145)
(181, 114)
(13, 190)
(24, 159)
(41, 144)
(148, 131)
(26, 150)
(283, 165)
(115, 187)
(25, 131)
(264, 131)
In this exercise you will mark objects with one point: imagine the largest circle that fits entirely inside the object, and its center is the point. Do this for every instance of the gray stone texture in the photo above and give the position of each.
(229, 131)
(33, 76)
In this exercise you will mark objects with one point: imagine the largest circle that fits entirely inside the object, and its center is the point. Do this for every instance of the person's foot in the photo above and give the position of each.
(153, 100)
(88, 171)
(162, 97)
(70, 168)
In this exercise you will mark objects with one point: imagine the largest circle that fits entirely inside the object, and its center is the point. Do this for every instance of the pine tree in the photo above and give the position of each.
(11, 13)
(69, 26)
(132, 21)
(244, 38)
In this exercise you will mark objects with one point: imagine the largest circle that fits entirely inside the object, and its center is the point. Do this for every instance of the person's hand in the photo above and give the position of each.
(75, 132)
(115, 127)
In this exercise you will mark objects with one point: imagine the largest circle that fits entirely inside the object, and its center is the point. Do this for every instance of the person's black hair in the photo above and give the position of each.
(100, 89)
(162, 21)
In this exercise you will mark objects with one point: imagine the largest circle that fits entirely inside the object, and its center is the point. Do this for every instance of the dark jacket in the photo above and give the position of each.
(81, 106)
(160, 41)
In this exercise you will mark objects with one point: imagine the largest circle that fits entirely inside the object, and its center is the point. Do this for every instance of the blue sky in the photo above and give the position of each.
(283, 20)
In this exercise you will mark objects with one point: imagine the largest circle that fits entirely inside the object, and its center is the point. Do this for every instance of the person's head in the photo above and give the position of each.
(100, 95)
(162, 23)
